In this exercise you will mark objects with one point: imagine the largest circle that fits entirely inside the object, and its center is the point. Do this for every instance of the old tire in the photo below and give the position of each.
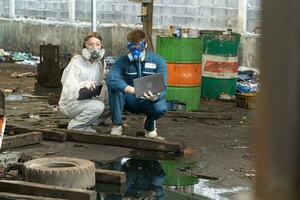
(61, 171)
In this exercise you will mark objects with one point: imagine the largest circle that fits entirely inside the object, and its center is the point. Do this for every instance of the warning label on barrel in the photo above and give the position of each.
(219, 66)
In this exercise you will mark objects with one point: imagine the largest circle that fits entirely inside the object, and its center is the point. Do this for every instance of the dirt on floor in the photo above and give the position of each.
(219, 148)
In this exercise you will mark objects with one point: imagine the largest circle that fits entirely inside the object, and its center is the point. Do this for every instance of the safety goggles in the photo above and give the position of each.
(131, 46)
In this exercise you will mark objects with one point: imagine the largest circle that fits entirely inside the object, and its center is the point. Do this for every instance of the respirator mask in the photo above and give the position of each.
(93, 53)
(137, 51)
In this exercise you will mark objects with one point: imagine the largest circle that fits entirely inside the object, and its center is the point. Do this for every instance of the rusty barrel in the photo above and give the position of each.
(219, 63)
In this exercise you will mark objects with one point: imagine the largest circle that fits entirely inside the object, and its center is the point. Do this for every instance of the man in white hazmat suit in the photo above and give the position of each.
(82, 82)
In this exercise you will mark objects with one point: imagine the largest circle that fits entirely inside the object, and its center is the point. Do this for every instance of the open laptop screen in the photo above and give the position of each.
(153, 83)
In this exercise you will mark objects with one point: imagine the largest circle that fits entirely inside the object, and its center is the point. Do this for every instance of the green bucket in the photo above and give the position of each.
(217, 43)
(191, 96)
(180, 50)
(213, 87)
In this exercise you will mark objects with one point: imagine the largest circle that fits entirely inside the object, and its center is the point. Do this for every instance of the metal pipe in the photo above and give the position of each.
(94, 15)
(12, 9)
(72, 10)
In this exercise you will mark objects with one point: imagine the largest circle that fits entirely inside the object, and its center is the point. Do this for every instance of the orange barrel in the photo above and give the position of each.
(184, 69)
(184, 74)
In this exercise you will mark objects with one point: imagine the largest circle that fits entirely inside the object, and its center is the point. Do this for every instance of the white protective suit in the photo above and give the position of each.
(75, 76)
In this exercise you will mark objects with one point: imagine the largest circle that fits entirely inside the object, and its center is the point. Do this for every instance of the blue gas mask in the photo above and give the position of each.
(136, 50)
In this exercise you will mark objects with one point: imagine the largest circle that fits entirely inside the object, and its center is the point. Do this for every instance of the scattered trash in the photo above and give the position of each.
(3, 55)
(174, 105)
(33, 116)
(20, 75)
(14, 97)
(251, 176)
(10, 91)
(226, 97)
(248, 80)
(188, 151)
(18, 57)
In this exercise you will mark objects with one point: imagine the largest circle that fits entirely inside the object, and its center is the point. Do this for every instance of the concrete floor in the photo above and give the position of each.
(219, 148)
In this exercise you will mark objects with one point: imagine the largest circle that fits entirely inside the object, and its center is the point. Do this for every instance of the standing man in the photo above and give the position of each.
(137, 63)
(82, 81)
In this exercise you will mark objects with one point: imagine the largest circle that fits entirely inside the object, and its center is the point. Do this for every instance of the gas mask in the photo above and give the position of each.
(93, 54)
(137, 51)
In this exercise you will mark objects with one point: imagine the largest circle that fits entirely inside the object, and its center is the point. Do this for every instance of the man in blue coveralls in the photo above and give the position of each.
(137, 63)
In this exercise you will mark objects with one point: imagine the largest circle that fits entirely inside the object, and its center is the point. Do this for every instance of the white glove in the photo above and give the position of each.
(149, 96)
(91, 85)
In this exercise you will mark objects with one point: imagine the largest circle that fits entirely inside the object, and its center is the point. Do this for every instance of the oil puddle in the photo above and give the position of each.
(159, 180)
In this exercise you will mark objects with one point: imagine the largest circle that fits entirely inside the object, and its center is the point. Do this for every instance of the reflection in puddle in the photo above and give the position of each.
(144, 179)
(159, 180)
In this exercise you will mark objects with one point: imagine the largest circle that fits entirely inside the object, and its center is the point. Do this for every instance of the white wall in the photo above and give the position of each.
(203, 14)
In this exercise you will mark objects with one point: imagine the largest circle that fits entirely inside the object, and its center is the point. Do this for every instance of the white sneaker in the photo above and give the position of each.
(153, 135)
(85, 129)
(116, 130)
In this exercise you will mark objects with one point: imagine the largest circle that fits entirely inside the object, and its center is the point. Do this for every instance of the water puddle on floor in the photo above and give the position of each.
(159, 180)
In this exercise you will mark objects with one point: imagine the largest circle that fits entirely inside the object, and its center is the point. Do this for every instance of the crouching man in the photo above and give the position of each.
(138, 62)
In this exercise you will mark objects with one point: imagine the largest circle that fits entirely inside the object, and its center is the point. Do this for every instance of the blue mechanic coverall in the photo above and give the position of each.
(121, 75)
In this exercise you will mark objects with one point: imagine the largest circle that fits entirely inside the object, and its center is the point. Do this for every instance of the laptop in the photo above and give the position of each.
(153, 83)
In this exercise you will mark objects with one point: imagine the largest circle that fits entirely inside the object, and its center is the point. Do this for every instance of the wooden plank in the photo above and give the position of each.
(198, 115)
(127, 141)
(121, 141)
(48, 133)
(27, 188)
(10, 142)
(110, 176)
(54, 135)
(11, 196)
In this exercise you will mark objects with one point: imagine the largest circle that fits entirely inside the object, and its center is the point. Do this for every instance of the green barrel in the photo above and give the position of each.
(188, 95)
(180, 50)
(173, 177)
(217, 43)
(213, 87)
